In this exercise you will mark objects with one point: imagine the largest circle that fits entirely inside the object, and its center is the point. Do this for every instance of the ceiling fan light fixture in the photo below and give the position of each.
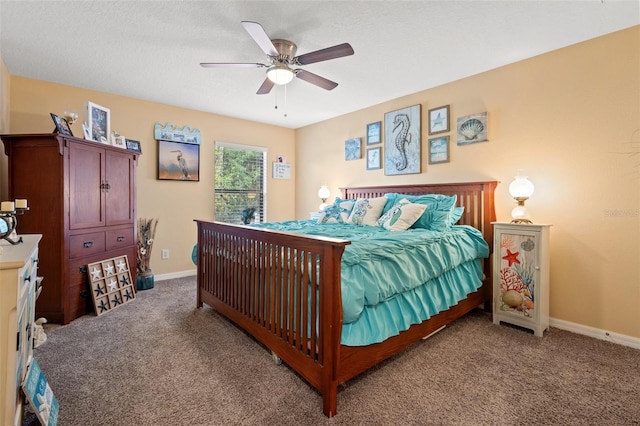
(280, 74)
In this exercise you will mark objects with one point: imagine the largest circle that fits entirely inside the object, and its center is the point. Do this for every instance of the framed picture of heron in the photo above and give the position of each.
(178, 161)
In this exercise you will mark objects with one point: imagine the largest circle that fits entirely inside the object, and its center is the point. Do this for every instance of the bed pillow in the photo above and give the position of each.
(367, 211)
(338, 212)
(401, 216)
(456, 214)
(437, 216)
(392, 199)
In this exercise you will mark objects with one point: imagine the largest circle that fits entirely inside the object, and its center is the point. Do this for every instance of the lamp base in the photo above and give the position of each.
(521, 221)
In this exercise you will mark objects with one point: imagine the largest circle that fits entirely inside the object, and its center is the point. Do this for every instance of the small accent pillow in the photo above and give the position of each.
(337, 212)
(367, 211)
(401, 216)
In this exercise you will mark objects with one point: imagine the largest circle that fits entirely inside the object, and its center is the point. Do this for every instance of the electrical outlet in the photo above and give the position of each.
(165, 254)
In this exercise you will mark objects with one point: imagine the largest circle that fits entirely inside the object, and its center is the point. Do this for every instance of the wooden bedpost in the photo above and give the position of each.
(331, 323)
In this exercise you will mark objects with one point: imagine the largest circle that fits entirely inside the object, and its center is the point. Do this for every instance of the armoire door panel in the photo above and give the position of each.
(119, 194)
(86, 186)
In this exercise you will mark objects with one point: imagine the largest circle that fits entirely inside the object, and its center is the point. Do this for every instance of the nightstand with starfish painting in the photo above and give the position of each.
(521, 275)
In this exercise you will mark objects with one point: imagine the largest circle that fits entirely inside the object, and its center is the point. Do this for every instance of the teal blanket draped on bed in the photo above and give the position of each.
(391, 280)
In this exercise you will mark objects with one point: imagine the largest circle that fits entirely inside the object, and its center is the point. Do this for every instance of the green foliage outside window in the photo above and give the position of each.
(239, 184)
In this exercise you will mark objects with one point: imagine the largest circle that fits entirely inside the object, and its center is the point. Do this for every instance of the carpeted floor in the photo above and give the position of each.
(160, 361)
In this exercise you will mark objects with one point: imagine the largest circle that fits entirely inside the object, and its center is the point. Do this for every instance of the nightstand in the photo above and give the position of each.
(521, 275)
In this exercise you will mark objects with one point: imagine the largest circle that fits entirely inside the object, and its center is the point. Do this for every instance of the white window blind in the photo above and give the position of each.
(240, 182)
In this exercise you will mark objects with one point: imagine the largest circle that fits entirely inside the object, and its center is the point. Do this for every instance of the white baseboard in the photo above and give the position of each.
(172, 275)
(596, 333)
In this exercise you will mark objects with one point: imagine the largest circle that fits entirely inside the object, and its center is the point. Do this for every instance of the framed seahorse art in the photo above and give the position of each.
(402, 148)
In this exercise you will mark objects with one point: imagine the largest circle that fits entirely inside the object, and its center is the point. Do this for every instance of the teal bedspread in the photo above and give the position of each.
(391, 280)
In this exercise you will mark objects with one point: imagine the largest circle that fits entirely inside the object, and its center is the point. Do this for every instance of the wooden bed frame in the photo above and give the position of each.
(258, 279)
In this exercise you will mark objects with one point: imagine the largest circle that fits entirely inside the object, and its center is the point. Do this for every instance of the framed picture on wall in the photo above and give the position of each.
(439, 150)
(373, 159)
(439, 120)
(472, 129)
(373, 133)
(178, 161)
(352, 149)
(402, 151)
(99, 123)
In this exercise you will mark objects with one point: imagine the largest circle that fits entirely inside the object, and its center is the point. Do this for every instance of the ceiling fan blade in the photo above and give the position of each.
(312, 78)
(266, 87)
(259, 35)
(333, 52)
(230, 65)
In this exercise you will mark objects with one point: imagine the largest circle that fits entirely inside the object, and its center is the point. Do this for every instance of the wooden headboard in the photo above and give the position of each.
(477, 198)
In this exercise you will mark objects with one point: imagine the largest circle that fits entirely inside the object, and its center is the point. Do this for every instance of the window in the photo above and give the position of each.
(240, 182)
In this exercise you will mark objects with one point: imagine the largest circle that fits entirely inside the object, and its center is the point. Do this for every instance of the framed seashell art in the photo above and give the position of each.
(472, 129)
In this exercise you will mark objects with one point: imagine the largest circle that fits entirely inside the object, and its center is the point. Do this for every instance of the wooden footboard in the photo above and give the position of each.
(264, 281)
(284, 289)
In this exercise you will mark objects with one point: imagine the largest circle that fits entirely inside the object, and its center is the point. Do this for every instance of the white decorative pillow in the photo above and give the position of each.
(401, 216)
(367, 211)
(337, 212)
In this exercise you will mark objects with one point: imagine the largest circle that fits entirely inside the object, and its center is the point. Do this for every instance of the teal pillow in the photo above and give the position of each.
(392, 199)
(455, 215)
(437, 216)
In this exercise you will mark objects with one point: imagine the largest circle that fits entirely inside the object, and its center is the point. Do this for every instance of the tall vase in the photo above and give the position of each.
(145, 280)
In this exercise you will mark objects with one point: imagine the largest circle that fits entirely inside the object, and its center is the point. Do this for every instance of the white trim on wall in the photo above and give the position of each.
(172, 275)
(596, 333)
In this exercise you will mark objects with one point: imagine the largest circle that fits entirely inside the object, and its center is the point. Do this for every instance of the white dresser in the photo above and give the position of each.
(18, 275)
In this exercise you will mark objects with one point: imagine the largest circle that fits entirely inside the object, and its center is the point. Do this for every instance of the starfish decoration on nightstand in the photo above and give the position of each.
(103, 306)
(99, 290)
(113, 285)
(124, 280)
(122, 266)
(95, 274)
(511, 257)
(108, 270)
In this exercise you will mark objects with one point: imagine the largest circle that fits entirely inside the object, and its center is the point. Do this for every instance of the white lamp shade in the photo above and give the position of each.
(521, 187)
(280, 74)
(324, 192)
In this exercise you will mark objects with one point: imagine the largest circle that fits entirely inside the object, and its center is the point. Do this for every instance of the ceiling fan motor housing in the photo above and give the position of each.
(286, 49)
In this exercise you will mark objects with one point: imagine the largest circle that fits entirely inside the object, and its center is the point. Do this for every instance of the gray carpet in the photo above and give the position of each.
(160, 361)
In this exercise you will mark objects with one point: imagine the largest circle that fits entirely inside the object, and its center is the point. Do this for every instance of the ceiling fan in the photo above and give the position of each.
(282, 59)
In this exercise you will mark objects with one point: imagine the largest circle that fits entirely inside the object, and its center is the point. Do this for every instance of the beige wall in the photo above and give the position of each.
(176, 204)
(571, 120)
(4, 124)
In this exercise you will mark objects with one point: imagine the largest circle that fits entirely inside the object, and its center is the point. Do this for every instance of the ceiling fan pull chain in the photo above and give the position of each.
(276, 96)
(285, 101)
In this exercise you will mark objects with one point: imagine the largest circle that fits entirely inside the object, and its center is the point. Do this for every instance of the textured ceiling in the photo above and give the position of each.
(151, 50)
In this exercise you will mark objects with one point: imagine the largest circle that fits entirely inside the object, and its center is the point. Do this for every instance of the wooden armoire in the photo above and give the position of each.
(82, 199)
